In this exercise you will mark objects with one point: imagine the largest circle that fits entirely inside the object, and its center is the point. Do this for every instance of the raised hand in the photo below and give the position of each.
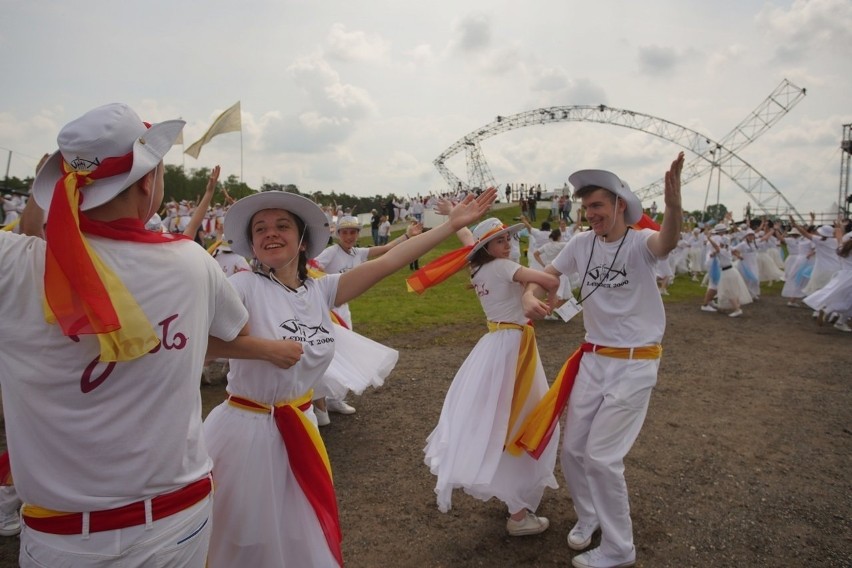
(414, 229)
(444, 206)
(470, 209)
(213, 180)
(673, 198)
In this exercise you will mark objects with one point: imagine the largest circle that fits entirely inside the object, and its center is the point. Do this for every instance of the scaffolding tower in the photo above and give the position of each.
(843, 197)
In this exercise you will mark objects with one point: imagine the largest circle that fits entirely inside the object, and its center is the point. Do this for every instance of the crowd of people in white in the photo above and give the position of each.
(806, 258)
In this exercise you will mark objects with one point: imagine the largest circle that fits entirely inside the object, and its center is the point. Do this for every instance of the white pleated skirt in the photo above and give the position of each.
(732, 285)
(769, 271)
(834, 297)
(465, 450)
(794, 279)
(358, 363)
(817, 281)
(261, 517)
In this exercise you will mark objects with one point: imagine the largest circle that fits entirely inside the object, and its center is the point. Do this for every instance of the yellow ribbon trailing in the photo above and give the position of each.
(524, 374)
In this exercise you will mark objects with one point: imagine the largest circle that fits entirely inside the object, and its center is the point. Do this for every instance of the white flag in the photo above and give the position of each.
(228, 121)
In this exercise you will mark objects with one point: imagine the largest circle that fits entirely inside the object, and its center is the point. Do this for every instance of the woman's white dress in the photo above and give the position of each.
(797, 265)
(465, 450)
(261, 516)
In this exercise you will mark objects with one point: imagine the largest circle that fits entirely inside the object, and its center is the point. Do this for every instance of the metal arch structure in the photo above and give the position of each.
(844, 202)
(771, 110)
(709, 153)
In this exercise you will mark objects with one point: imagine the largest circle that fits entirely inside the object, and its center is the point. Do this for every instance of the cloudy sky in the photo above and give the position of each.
(360, 96)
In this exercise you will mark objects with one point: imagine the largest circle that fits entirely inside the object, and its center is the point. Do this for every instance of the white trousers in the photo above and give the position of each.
(9, 501)
(176, 541)
(606, 410)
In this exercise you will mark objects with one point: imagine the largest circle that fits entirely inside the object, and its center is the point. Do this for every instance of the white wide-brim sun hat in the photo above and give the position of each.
(348, 222)
(609, 181)
(826, 231)
(238, 217)
(488, 230)
(108, 131)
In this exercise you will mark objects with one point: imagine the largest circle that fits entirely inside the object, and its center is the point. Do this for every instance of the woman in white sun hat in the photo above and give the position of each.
(275, 501)
(100, 390)
(826, 262)
(798, 258)
(834, 300)
(725, 284)
(495, 388)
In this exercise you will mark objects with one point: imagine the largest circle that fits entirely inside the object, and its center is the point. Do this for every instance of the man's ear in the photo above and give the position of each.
(146, 182)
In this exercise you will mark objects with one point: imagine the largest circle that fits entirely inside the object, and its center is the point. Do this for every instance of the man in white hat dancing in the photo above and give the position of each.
(102, 353)
(615, 370)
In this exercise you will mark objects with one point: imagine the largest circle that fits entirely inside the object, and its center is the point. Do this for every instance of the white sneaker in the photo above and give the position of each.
(322, 417)
(596, 559)
(10, 525)
(580, 536)
(530, 525)
(842, 326)
(708, 308)
(339, 406)
(735, 314)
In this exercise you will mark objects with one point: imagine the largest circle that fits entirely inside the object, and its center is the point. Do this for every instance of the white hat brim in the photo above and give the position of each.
(239, 216)
(148, 152)
(825, 231)
(485, 241)
(610, 182)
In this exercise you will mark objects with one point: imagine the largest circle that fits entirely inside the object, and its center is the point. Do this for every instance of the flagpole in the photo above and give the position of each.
(241, 150)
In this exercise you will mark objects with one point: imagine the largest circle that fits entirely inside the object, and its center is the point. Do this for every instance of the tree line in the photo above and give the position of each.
(181, 185)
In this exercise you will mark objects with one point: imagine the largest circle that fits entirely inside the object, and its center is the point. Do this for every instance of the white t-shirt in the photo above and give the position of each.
(335, 260)
(85, 435)
(231, 262)
(621, 306)
(278, 313)
(499, 295)
(538, 238)
(550, 250)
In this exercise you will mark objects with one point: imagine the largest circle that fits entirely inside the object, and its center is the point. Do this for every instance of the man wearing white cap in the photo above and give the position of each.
(614, 371)
(101, 356)
(337, 259)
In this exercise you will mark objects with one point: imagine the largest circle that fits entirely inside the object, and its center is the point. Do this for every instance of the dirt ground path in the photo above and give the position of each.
(744, 459)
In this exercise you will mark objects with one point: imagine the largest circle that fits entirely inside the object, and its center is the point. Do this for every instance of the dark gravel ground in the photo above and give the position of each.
(743, 461)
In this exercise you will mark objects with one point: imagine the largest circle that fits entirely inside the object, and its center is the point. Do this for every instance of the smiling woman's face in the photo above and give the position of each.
(275, 237)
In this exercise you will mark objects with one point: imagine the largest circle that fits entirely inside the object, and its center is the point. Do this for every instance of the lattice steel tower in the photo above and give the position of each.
(846, 151)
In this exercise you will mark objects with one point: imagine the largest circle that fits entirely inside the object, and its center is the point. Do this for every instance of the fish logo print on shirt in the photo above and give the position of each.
(309, 334)
(604, 276)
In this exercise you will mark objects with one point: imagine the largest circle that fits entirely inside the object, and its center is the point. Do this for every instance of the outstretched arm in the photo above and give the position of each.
(355, 282)
(412, 230)
(203, 204)
(663, 242)
(802, 231)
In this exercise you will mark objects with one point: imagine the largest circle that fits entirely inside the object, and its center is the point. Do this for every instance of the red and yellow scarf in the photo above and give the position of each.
(308, 461)
(536, 431)
(82, 294)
